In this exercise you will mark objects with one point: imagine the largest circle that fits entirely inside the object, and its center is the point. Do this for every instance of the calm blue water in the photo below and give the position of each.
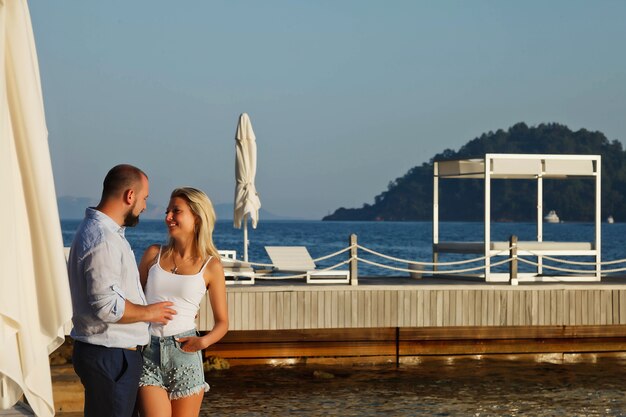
(407, 240)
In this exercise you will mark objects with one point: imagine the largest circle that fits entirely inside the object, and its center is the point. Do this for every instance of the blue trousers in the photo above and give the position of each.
(110, 377)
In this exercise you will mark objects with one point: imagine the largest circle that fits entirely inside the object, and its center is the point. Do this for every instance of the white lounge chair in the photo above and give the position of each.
(234, 269)
(296, 259)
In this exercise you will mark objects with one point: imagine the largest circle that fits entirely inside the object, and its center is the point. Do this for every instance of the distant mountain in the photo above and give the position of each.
(71, 207)
(410, 197)
(74, 208)
(224, 211)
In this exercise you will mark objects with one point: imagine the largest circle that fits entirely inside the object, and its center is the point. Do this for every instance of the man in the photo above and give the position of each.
(110, 312)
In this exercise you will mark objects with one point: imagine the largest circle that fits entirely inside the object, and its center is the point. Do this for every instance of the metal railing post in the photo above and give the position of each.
(354, 270)
(513, 262)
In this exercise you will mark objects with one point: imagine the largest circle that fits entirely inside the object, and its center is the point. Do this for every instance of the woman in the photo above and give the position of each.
(182, 271)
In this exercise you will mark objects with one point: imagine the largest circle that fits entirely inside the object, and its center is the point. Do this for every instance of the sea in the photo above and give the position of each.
(583, 385)
(410, 241)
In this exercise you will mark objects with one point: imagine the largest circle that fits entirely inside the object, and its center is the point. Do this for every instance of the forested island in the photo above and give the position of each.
(410, 197)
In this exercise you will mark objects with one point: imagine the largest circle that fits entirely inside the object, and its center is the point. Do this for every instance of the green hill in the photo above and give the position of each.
(410, 197)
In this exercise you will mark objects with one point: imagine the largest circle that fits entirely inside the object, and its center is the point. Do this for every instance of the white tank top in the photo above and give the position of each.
(185, 291)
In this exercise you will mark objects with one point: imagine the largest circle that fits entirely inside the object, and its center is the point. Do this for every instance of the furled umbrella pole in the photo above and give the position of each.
(247, 202)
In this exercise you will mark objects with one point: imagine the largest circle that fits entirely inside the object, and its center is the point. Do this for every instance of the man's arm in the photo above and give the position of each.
(156, 313)
(103, 271)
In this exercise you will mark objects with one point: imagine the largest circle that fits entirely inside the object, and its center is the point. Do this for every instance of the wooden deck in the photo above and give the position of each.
(396, 319)
(405, 302)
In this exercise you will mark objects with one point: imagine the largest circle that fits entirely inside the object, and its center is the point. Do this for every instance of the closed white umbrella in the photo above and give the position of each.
(34, 291)
(247, 202)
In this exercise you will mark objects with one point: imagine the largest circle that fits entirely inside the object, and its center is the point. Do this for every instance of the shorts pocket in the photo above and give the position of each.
(179, 347)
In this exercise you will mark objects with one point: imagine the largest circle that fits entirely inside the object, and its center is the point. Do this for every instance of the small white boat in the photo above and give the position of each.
(610, 220)
(551, 217)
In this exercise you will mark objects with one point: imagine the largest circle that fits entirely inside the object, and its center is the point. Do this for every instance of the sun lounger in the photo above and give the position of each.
(234, 270)
(296, 259)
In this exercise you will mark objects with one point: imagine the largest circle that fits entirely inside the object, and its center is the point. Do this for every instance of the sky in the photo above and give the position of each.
(344, 96)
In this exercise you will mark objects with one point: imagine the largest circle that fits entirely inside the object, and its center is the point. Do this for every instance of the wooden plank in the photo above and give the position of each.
(419, 310)
(314, 310)
(439, 309)
(517, 309)
(308, 310)
(258, 318)
(597, 307)
(311, 349)
(590, 307)
(471, 309)
(412, 317)
(478, 302)
(528, 308)
(387, 322)
(448, 308)
(511, 332)
(554, 308)
(321, 313)
(304, 309)
(347, 308)
(328, 309)
(578, 296)
(395, 308)
(433, 307)
(546, 308)
(457, 320)
(268, 311)
(333, 303)
(404, 309)
(484, 311)
(272, 309)
(622, 306)
(615, 305)
(509, 308)
(534, 308)
(368, 309)
(491, 310)
(280, 311)
(584, 308)
(354, 312)
(237, 309)
(603, 317)
(502, 300)
(606, 307)
(560, 308)
(287, 309)
(293, 301)
(464, 308)
(572, 307)
(541, 308)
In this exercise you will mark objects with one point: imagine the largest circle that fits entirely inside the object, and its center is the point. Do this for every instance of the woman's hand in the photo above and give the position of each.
(192, 344)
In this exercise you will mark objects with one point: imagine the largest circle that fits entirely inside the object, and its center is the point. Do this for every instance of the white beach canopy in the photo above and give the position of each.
(34, 290)
(247, 202)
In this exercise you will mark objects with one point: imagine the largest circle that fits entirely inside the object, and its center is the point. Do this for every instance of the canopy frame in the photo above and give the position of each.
(520, 166)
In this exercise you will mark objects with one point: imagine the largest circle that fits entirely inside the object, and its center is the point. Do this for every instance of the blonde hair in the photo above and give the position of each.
(203, 211)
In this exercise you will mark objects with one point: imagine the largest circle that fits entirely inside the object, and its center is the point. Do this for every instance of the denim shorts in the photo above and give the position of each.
(167, 366)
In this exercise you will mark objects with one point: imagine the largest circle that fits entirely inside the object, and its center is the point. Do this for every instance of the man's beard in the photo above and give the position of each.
(130, 220)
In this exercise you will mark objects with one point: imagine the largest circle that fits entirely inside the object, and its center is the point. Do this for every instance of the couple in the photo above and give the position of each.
(134, 351)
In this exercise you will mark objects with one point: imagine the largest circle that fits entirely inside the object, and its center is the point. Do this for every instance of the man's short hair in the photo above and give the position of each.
(121, 178)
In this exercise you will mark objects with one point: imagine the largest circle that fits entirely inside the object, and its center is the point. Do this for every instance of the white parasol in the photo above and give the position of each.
(34, 290)
(247, 202)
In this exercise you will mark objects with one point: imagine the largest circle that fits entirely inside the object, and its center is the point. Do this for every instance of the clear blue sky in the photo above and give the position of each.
(344, 96)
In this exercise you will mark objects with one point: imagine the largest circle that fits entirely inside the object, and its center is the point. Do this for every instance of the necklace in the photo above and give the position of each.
(175, 269)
